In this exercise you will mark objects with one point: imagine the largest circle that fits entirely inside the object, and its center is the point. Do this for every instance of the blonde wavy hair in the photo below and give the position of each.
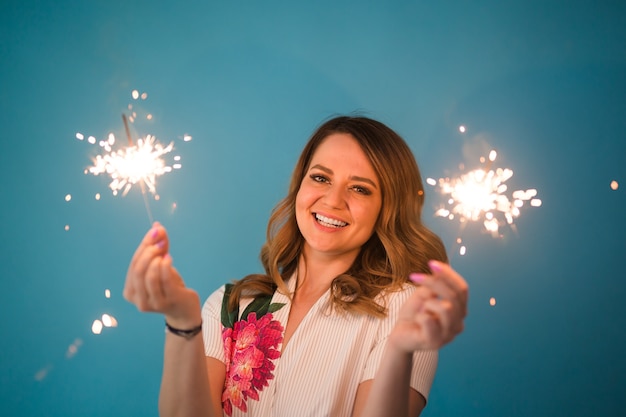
(400, 244)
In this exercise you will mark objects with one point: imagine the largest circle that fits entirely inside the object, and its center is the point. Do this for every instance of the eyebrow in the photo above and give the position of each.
(354, 177)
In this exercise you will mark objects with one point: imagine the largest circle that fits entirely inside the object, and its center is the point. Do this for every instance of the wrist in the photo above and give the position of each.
(185, 315)
(400, 344)
(187, 333)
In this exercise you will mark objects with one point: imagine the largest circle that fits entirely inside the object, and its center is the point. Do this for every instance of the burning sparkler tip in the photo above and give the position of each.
(479, 195)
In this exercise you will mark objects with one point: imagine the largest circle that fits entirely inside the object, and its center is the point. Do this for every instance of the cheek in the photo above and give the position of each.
(305, 198)
(301, 206)
(370, 215)
(299, 200)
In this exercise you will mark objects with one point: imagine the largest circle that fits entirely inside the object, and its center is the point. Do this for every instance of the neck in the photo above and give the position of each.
(315, 272)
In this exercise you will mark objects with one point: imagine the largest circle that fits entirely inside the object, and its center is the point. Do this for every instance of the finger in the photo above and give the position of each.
(451, 278)
(448, 315)
(438, 292)
(436, 284)
(445, 282)
(154, 235)
(139, 269)
(145, 242)
(431, 330)
(153, 287)
(414, 304)
(141, 297)
(170, 278)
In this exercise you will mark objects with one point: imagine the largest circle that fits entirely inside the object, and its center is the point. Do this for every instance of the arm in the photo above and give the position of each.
(191, 384)
(392, 381)
(429, 319)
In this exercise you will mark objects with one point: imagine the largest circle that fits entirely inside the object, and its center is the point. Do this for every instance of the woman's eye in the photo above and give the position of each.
(319, 178)
(361, 190)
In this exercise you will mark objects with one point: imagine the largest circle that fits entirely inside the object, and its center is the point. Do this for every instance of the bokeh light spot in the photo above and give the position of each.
(96, 327)
(108, 321)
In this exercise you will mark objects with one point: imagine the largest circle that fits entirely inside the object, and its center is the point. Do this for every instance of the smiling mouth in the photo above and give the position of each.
(328, 222)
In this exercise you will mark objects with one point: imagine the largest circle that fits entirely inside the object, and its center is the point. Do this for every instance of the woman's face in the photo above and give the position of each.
(339, 199)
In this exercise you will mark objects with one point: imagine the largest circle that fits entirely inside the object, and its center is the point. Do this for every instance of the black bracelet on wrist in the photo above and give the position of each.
(187, 334)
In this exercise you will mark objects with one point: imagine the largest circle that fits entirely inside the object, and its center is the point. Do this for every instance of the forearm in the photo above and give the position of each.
(185, 389)
(389, 394)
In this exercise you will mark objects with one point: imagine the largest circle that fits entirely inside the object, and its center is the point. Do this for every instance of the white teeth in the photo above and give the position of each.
(327, 221)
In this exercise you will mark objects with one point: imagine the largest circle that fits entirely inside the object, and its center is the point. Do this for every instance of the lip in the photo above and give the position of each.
(326, 228)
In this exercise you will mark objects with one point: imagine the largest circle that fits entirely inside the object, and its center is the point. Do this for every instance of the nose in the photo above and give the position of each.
(335, 196)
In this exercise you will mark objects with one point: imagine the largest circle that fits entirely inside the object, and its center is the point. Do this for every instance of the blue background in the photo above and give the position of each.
(543, 82)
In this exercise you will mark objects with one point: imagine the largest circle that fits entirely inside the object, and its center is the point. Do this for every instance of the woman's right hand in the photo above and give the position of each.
(154, 285)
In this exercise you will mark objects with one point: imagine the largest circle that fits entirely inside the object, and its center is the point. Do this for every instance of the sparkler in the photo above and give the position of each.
(480, 196)
(139, 163)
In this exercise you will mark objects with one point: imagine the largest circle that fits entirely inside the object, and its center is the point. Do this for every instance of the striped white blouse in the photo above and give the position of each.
(319, 372)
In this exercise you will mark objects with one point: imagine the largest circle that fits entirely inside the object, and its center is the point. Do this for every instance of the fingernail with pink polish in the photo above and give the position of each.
(160, 244)
(434, 266)
(417, 278)
(155, 232)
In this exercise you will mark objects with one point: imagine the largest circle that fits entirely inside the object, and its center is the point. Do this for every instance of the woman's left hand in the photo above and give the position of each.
(435, 312)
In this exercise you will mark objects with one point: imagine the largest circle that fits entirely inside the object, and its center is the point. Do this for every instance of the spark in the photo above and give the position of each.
(130, 165)
(614, 185)
(106, 320)
(140, 162)
(43, 372)
(109, 321)
(480, 195)
(72, 349)
(96, 327)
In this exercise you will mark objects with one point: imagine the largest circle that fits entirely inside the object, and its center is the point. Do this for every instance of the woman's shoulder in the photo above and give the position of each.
(395, 297)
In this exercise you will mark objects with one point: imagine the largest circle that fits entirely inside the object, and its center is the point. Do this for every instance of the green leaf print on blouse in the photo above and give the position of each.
(250, 347)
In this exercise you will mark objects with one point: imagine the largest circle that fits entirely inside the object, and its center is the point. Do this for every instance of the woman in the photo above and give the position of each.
(334, 327)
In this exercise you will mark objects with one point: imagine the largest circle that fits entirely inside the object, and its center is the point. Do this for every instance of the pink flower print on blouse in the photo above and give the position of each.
(250, 347)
